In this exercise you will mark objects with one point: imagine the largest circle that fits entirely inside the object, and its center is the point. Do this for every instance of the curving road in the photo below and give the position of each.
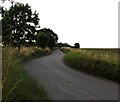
(64, 83)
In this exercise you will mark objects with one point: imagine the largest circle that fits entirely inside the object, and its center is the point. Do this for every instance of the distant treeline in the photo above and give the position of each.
(76, 45)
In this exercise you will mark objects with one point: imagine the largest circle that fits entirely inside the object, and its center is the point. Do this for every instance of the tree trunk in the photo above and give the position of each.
(19, 45)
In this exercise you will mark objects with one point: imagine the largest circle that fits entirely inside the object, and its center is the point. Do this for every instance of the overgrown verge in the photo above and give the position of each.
(93, 64)
(30, 53)
(17, 83)
(66, 51)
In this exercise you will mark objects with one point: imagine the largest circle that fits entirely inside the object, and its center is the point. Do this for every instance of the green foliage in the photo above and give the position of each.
(39, 53)
(52, 37)
(92, 65)
(60, 45)
(42, 40)
(36, 53)
(77, 45)
(19, 24)
(66, 51)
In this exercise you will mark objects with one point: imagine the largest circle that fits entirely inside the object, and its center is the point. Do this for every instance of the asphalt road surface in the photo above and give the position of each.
(64, 83)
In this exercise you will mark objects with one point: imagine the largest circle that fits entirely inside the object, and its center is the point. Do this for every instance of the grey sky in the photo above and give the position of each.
(92, 23)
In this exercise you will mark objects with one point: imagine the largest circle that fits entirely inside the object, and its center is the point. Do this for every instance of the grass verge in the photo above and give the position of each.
(93, 64)
(17, 83)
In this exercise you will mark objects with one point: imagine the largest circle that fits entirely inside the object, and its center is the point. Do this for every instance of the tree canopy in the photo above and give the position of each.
(19, 24)
(77, 45)
(42, 40)
(19, 28)
(52, 36)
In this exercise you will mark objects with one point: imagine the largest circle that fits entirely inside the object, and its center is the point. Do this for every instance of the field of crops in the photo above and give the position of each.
(108, 55)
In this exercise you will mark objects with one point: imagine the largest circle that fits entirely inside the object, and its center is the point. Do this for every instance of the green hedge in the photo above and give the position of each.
(92, 66)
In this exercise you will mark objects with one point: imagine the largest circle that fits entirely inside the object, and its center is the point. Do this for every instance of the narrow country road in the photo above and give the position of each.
(64, 83)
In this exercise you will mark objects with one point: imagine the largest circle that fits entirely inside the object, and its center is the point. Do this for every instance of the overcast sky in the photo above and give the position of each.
(92, 23)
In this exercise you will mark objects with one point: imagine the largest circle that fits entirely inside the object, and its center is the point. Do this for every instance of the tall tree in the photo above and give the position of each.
(42, 40)
(52, 37)
(19, 24)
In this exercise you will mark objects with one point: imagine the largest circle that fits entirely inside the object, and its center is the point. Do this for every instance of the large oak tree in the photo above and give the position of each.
(19, 24)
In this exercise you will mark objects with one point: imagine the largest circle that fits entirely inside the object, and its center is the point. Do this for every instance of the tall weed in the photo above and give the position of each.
(16, 82)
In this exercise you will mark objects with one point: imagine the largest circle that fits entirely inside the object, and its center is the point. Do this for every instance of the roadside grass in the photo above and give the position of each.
(16, 82)
(66, 51)
(99, 62)
(32, 52)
